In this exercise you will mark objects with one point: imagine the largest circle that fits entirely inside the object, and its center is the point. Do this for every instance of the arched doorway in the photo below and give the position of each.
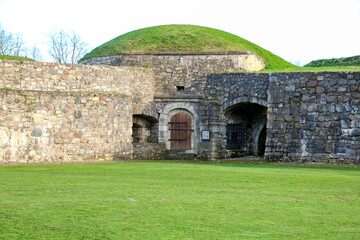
(245, 129)
(180, 131)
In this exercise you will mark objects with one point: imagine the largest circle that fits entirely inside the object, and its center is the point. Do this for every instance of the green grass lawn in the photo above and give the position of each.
(161, 200)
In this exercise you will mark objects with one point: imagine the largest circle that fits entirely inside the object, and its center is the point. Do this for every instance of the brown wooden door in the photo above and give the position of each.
(180, 131)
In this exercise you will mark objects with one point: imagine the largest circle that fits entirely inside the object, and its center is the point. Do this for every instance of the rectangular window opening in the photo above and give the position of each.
(180, 88)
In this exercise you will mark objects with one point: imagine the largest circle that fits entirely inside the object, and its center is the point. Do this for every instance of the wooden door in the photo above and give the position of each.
(180, 131)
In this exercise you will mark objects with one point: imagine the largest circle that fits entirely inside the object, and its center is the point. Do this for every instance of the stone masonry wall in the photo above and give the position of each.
(190, 71)
(224, 91)
(311, 116)
(152, 151)
(63, 127)
(184, 69)
(61, 113)
(314, 117)
(232, 88)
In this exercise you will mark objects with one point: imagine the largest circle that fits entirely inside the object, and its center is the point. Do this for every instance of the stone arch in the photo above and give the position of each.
(262, 141)
(165, 115)
(243, 99)
(258, 142)
(245, 123)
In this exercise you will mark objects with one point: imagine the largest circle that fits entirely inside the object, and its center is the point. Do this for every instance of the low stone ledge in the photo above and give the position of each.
(151, 151)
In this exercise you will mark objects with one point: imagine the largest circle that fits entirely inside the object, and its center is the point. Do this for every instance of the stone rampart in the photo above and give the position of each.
(61, 113)
(314, 117)
(58, 113)
(310, 116)
(230, 89)
(184, 69)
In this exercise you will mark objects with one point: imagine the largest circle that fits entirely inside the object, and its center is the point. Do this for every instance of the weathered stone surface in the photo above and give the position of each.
(320, 90)
(58, 113)
(313, 84)
(328, 132)
(50, 119)
(36, 133)
(78, 134)
(288, 118)
(183, 69)
(77, 114)
(155, 151)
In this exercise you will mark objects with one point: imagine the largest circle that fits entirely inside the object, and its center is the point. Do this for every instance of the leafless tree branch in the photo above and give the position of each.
(6, 42)
(10, 45)
(34, 53)
(66, 48)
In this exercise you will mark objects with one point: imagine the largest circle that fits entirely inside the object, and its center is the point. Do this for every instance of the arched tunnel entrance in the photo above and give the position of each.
(245, 129)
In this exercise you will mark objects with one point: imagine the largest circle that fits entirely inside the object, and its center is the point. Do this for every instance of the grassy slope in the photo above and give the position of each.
(349, 61)
(179, 201)
(7, 57)
(317, 69)
(184, 38)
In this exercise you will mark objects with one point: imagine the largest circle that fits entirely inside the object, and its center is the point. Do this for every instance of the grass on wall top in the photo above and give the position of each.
(7, 57)
(184, 38)
(336, 62)
(317, 69)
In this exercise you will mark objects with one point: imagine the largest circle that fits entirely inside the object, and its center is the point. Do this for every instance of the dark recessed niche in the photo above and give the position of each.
(180, 88)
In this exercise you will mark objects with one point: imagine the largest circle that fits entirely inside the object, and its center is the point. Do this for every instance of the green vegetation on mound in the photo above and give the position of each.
(184, 38)
(159, 200)
(7, 57)
(316, 69)
(349, 61)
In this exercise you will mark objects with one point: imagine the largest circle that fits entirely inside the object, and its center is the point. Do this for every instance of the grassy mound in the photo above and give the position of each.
(184, 38)
(334, 62)
(7, 57)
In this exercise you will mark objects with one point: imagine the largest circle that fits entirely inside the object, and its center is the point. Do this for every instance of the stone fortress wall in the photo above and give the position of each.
(314, 117)
(57, 113)
(183, 68)
(311, 116)
(64, 113)
(306, 116)
(180, 81)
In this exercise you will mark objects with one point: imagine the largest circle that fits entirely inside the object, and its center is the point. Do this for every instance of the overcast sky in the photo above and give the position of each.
(294, 30)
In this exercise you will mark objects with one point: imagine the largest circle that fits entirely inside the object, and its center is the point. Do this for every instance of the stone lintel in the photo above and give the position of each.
(178, 99)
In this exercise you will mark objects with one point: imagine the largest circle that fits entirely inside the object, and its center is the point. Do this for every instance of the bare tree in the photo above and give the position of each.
(34, 53)
(66, 48)
(6, 42)
(10, 45)
(18, 46)
(77, 47)
(59, 46)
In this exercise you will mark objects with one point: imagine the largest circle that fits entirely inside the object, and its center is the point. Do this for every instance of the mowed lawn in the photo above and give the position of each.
(162, 200)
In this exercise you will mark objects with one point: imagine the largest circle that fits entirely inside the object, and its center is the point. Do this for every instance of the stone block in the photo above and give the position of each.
(36, 132)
